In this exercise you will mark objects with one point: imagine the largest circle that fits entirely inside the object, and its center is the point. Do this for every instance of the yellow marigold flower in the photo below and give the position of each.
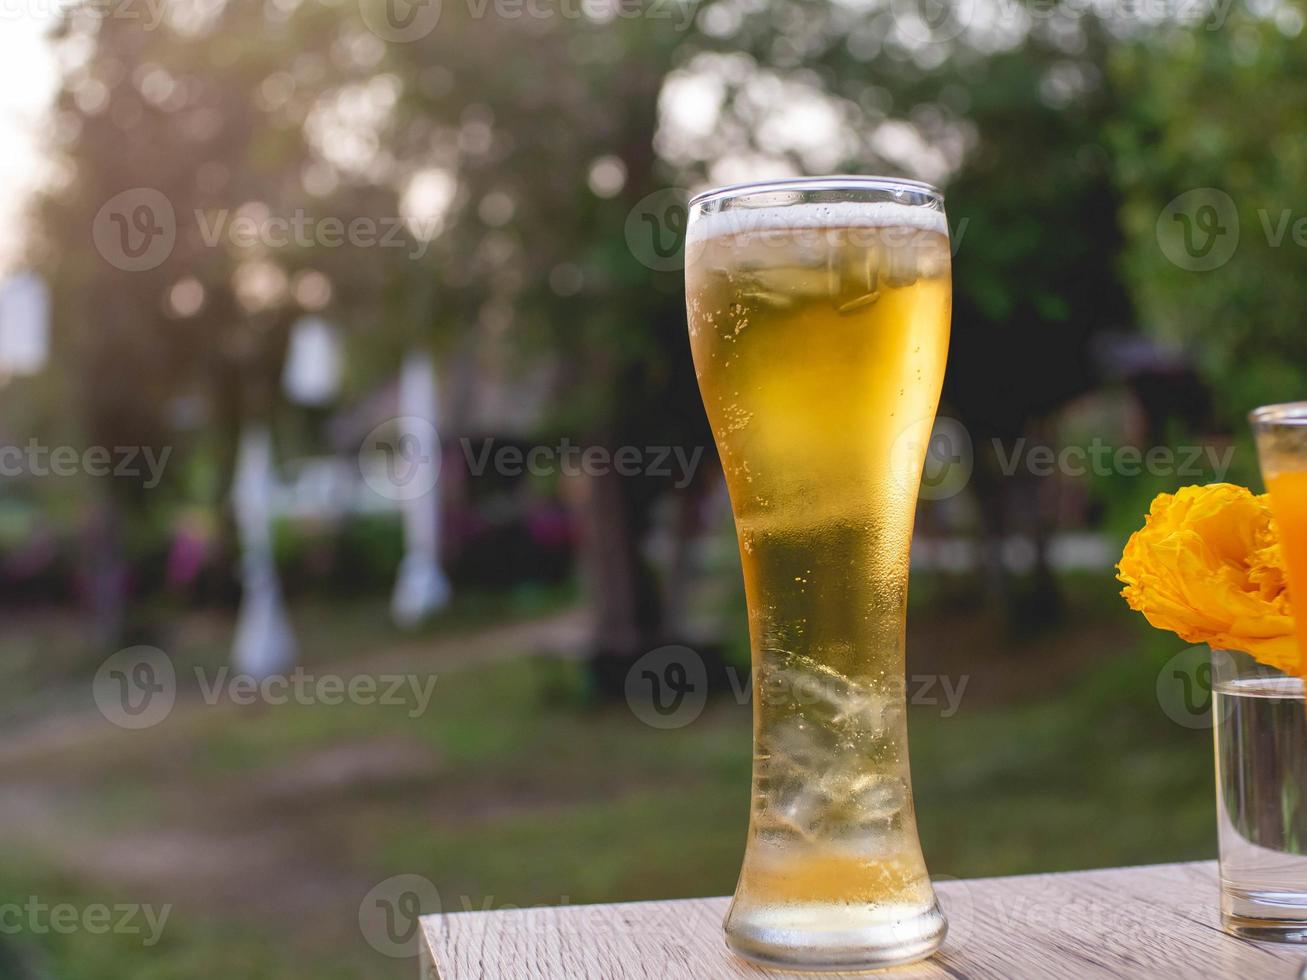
(1207, 566)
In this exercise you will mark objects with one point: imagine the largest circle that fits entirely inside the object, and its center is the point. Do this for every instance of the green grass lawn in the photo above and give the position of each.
(192, 946)
(515, 789)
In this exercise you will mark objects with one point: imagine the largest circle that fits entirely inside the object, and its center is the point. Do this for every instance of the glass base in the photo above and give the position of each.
(1269, 916)
(834, 939)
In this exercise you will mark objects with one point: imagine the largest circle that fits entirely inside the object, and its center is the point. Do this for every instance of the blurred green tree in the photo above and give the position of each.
(525, 147)
(1214, 170)
(549, 153)
(590, 119)
(169, 240)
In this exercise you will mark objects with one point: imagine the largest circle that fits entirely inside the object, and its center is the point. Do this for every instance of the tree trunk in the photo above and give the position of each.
(624, 596)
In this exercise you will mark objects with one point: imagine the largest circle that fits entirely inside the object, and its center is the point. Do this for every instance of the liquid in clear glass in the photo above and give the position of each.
(1261, 798)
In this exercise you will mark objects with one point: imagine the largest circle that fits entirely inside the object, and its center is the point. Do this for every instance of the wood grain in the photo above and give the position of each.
(1157, 922)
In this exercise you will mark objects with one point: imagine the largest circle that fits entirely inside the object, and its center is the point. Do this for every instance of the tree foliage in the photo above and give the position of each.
(1213, 114)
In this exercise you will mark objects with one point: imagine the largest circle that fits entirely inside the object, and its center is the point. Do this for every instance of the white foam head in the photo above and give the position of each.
(816, 215)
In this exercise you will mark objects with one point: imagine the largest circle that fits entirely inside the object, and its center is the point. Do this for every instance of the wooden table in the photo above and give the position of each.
(1151, 922)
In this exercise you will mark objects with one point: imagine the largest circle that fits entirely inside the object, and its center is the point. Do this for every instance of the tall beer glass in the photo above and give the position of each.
(819, 322)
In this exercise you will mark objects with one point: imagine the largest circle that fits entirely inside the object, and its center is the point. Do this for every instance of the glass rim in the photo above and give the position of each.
(1288, 413)
(835, 182)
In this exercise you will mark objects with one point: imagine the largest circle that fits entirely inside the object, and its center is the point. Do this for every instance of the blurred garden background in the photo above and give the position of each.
(252, 248)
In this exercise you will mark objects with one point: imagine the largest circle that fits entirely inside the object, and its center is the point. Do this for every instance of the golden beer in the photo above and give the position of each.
(819, 322)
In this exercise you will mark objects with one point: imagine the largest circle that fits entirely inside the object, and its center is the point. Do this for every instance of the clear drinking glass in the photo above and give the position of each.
(1281, 432)
(1261, 778)
(819, 322)
(1261, 726)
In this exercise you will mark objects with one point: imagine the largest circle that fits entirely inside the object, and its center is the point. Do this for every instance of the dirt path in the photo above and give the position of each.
(267, 845)
(560, 634)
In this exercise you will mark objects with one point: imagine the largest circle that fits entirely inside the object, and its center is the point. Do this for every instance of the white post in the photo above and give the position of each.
(314, 362)
(264, 644)
(421, 587)
(24, 324)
